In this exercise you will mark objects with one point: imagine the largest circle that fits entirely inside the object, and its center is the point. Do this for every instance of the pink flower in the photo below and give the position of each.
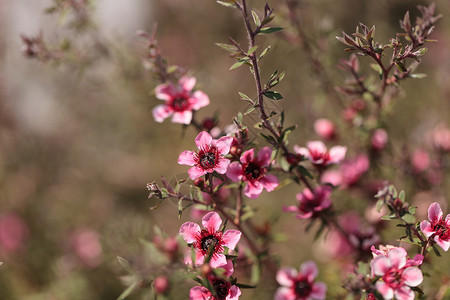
(396, 276)
(384, 250)
(309, 204)
(209, 239)
(222, 288)
(87, 247)
(349, 172)
(253, 170)
(209, 157)
(324, 128)
(300, 285)
(438, 229)
(13, 233)
(180, 101)
(379, 139)
(420, 160)
(318, 153)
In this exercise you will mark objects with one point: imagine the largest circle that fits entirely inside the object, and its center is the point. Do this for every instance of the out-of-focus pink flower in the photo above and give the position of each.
(180, 101)
(209, 157)
(384, 250)
(324, 129)
(311, 204)
(87, 247)
(420, 160)
(318, 154)
(348, 173)
(13, 232)
(300, 285)
(441, 138)
(438, 228)
(396, 277)
(253, 170)
(161, 284)
(209, 239)
(356, 238)
(223, 288)
(379, 139)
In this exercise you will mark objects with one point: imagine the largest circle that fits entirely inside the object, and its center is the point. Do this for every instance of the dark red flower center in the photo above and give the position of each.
(302, 288)
(221, 287)
(209, 241)
(253, 171)
(394, 278)
(442, 229)
(179, 103)
(316, 155)
(207, 157)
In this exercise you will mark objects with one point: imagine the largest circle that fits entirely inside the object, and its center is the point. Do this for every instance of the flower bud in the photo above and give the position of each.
(379, 139)
(325, 129)
(161, 284)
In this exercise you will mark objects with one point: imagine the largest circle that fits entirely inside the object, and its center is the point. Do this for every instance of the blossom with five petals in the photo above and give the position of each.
(180, 101)
(209, 241)
(209, 157)
(437, 228)
(318, 154)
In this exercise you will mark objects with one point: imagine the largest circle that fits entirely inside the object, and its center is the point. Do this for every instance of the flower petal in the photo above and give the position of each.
(189, 232)
(182, 117)
(426, 228)
(384, 290)
(195, 172)
(234, 293)
(164, 91)
(161, 112)
(199, 293)
(435, 212)
(284, 293)
(309, 269)
(444, 244)
(317, 146)
(404, 293)
(319, 291)
(212, 220)
(412, 276)
(247, 156)
(229, 268)
(337, 154)
(380, 265)
(218, 260)
(186, 158)
(222, 165)
(203, 139)
(302, 151)
(187, 83)
(397, 256)
(234, 171)
(223, 144)
(264, 155)
(286, 276)
(269, 181)
(253, 189)
(231, 238)
(198, 100)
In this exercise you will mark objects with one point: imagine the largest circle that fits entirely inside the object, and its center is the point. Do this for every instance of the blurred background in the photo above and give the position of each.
(78, 142)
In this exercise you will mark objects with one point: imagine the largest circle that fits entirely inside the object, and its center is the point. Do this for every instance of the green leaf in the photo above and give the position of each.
(128, 290)
(256, 19)
(245, 286)
(251, 50)
(256, 273)
(164, 193)
(125, 264)
(417, 75)
(249, 110)
(227, 47)
(180, 208)
(379, 205)
(401, 196)
(228, 3)
(377, 68)
(264, 52)
(268, 30)
(412, 210)
(273, 95)
(239, 63)
(408, 218)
